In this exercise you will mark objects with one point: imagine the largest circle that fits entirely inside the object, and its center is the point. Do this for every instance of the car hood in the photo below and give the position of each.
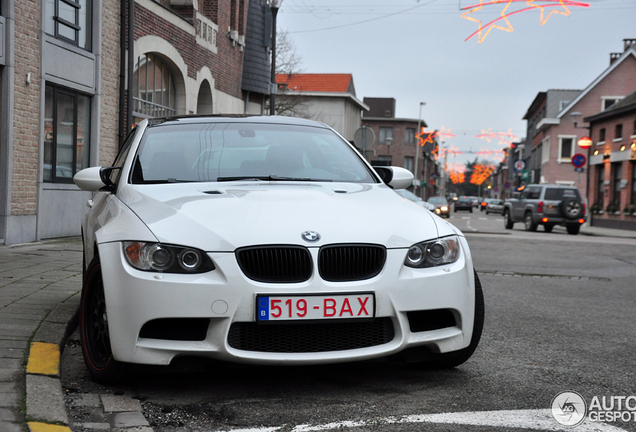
(226, 216)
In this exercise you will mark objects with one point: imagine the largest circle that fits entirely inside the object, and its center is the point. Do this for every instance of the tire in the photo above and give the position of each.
(573, 229)
(572, 208)
(508, 223)
(487, 212)
(548, 228)
(471, 210)
(529, 224)
(93, 326)
(456, 358)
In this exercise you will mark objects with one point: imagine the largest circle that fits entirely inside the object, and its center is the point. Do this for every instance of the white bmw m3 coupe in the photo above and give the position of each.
(265, 240)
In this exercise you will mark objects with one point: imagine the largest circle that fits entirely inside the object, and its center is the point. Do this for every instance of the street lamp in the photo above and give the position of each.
(274, 5)
(417, 150)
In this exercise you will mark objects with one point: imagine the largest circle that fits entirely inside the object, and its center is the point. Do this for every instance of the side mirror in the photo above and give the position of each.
(95, 178)
(395, 177)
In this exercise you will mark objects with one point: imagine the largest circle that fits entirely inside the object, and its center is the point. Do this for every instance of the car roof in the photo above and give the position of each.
(234, 118)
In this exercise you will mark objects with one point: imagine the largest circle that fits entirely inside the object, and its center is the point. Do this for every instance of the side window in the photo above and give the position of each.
(534, 193)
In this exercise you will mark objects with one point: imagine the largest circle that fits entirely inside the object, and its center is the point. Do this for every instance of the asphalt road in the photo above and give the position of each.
(560, 312)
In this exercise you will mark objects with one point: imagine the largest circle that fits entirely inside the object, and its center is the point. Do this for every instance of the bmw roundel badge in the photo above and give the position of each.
(310, 236)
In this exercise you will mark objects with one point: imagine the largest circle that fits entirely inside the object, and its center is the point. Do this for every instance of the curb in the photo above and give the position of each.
(45, 407)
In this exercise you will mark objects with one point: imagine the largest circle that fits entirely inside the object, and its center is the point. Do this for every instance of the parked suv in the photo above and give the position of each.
(546, 205)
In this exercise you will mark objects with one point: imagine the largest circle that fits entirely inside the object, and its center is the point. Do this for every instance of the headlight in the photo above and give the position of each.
(158, 257)
(433, 253)
(444, 208)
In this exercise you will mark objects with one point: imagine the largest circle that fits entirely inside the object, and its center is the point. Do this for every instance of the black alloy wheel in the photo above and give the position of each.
(94, 335)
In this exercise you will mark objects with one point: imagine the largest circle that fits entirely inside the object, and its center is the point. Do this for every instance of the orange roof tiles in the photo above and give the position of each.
(316, 82)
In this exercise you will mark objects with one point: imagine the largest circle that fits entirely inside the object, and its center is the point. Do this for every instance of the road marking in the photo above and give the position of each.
(44, 359)
(44, 427)
(524, 419)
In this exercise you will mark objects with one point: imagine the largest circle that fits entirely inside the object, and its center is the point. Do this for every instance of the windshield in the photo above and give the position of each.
(209, 152)
(560, 193)
(437, 200)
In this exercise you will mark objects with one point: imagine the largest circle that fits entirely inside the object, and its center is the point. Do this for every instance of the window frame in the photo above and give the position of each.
(54, 20)
(567, 159)
(618, 132)
(385, 129)
(86, 143)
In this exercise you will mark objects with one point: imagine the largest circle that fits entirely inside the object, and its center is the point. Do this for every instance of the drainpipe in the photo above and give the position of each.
(122, 72)
(131, 61)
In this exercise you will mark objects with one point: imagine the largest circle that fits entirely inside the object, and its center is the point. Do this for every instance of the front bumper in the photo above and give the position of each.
(225, 296)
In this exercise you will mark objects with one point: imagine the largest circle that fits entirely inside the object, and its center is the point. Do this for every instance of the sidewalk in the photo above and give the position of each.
(39, 296)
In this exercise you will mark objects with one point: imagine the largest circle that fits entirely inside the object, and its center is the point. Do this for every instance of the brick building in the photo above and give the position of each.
(69, 71)
(552, 133)
(612, 159)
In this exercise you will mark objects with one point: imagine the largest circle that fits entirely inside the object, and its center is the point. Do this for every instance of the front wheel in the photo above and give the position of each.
(94, 335)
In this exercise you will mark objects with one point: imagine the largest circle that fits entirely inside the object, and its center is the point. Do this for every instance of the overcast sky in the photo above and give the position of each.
(416, 51)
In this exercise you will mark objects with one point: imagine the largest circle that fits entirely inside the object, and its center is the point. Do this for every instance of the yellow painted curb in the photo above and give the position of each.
(44, 359)
(44, 427)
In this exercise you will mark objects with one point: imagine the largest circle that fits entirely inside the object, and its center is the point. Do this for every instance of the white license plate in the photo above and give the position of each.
(314, 307)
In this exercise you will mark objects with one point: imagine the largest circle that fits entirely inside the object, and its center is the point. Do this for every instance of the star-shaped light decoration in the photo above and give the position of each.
(504, 14)
(426, 137)
(565, 12)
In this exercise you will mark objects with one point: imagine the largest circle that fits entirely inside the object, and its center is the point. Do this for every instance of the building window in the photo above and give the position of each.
(153, 88)
(633, 194)
(545, 151)
(600, 188)
(608, 102)
(70, 20)
(618, 132)
(566, 149)
(616, 183)
(409, 136)
(601, 136)
(66, 134)
(386, 134)
(563, 104)
(409, 163)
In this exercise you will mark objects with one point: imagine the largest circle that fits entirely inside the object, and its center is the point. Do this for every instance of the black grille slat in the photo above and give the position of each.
(275, 264)
(310, 337)
(345, 263)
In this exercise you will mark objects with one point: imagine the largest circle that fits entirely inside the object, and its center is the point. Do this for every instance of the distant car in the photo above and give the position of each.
(547, 205)
(441, 206)
(495, 206)
(265, 240)
(484, 203)
(463, 203)
(417, 200)
(474, 200)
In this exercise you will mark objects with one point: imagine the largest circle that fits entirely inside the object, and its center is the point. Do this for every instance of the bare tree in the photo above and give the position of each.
(288, 62)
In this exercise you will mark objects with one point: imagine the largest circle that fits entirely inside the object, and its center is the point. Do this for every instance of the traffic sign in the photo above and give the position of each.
(578, 160)
(520, 165)
(580, 170)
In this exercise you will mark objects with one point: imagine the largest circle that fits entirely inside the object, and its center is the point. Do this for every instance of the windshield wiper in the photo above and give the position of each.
(270, 178)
